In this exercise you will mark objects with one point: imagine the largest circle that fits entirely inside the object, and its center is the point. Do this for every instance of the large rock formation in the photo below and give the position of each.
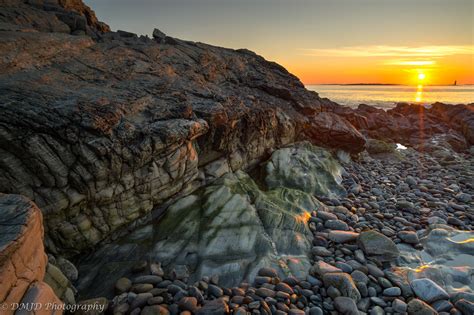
(22, 257)
(99, 129)
(230, 228)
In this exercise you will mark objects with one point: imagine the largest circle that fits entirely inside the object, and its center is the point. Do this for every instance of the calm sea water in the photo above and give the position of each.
(386, 96)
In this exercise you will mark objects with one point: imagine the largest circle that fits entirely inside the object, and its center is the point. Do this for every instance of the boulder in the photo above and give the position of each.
(22, 257)
(377, 245)
(331, 130)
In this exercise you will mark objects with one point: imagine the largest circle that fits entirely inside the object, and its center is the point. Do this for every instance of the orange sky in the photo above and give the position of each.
(385, 64)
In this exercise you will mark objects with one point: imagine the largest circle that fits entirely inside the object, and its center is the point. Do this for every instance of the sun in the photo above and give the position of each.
(421, 76)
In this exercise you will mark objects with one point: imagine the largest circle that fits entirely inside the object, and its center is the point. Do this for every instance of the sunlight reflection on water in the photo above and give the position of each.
(386, 96)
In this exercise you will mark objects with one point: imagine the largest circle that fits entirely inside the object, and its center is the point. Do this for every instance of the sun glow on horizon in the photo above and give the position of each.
(426, 65)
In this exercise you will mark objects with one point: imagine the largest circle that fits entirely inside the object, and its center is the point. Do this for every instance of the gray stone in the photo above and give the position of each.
(346, 306)
(214, 307)
(393, 291)
(336, 225)
(428, 291)
(377, 245)
(343, 282)
(399, 306)
(418, 307)
(409, 237)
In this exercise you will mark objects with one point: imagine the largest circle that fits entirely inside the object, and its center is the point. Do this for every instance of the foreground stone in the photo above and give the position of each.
(22, 257)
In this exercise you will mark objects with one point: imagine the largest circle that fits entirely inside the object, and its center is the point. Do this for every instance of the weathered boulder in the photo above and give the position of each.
(22, 257)
(329, 129)
(305, 167)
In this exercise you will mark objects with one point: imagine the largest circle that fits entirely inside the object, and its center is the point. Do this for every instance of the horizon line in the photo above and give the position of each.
(399, 84)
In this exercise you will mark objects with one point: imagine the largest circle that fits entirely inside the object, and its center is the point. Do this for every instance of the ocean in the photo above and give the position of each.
(386, 96)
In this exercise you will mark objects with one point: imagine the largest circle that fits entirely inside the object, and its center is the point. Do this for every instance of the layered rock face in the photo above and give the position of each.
(22, 258)
(99, 129)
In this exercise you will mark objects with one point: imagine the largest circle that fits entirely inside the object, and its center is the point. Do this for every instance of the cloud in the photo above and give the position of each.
(398, 62)
(393, 51)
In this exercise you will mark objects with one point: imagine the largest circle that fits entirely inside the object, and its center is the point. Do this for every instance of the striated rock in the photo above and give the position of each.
(307, 168)
(377, 245)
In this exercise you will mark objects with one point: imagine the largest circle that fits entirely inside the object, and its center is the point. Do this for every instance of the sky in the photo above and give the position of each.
(321, 41)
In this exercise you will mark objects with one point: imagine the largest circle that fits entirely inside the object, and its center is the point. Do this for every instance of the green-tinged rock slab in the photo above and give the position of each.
(231, 228)
(305, 167)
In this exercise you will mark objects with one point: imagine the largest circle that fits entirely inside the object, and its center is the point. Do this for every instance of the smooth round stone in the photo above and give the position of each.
(321, 251)
(333, 292)
(315, 311)
(294, 311)
(142, 287)
(393, 291)
(267, 272)
(428, 291)
(442, 306)
(384, 282)
(359, 276)
(123, 285)
(399, 306)
(342, 236)
(215, 291)
(408, 237)
(344, 267)
(264, 292)
(346, 306)
(377, 310)
(336, 225)
(283, 287)
(188, 304)
(378, 301)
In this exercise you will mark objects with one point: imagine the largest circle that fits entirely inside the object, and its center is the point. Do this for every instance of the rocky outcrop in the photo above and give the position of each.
(414, 124)
(62, 16)
(22, 257)
(113, 125)
(230, 228)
